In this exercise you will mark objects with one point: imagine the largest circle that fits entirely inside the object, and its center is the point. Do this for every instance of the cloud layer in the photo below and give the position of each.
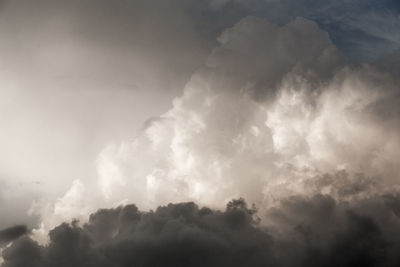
(303, 231)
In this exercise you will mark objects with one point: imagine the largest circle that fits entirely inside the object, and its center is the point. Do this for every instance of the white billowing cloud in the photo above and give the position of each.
(272, 108)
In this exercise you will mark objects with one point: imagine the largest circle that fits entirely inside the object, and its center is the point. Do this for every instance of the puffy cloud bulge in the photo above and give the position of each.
(272, 107)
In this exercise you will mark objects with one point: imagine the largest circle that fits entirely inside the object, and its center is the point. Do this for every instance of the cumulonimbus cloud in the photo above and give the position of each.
(277, 116)
(272, 107)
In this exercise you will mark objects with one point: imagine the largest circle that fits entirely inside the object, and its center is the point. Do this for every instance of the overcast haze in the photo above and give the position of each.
(280, 117)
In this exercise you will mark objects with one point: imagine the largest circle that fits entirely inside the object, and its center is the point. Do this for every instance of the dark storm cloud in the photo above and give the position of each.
(322, 232)
(10, 234)
(316, 230)
(174, 235)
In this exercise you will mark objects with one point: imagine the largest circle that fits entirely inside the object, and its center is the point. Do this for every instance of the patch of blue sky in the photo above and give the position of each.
(363, 30)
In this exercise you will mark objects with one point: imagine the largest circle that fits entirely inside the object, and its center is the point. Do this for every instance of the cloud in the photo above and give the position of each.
(171, 235)
(276, 111)
(273, 107)
(276, 115)
(77, 74)
(319, 231)
(10, 234)
(313, 230)
(75, 203)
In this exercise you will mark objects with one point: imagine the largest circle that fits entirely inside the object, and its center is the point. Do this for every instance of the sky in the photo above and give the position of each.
(162, 133)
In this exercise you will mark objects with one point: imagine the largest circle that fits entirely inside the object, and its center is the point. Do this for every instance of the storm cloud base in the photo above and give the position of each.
(300, 231)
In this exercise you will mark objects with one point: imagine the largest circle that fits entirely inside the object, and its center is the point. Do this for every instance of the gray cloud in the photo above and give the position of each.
(177, 234)
(12, 233)
(313, 230)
